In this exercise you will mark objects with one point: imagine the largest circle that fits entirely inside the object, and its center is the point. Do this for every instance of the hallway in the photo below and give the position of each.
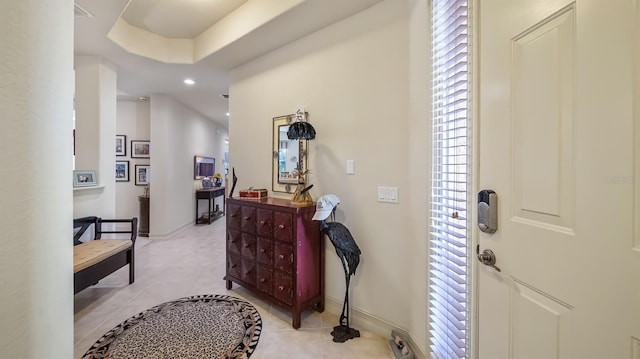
(192, 262)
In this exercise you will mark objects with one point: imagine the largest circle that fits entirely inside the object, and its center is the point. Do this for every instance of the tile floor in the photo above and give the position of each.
(193, 262)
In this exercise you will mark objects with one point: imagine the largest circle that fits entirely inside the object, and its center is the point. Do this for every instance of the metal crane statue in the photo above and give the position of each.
(348, 253)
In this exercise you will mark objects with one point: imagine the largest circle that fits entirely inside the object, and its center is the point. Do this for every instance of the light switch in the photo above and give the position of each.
(350, 169)
(388, 194)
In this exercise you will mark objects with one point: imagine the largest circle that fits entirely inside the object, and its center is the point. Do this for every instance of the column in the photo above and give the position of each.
(36, 109)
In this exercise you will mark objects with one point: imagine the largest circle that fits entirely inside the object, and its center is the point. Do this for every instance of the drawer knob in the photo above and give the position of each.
(234, 265)
(247, 218)
(262, 250)
(262, 280)
(281, 256)
(281, 226)
(281, 288)
(263, 222)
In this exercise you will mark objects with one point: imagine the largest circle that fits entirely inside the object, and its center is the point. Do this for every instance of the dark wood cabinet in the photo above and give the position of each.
(275, 250)
(143, 223)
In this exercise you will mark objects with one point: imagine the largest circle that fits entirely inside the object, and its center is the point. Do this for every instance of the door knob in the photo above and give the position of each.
(487, 257)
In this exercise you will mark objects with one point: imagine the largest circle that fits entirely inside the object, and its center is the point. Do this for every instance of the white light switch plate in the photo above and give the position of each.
(350, 167)
(388, 194)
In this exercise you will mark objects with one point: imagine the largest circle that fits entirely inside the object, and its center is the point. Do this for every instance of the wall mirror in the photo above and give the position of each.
(288, 155)
(203, 167)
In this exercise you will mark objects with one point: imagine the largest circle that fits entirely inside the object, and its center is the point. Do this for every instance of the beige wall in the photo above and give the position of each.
(177, 135)
(133, 122)
(364, 86)
(95, 111)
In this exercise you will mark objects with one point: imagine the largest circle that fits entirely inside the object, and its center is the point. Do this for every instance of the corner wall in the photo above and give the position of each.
(363, 86)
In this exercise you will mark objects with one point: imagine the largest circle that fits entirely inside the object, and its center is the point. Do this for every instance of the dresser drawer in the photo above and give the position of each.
(234, 241)
(248, 220)
(264, 254)
(283, 257)
(265, 279)
(283, 226)
(248, 248)
(248, 271)
(234, 265)
(234, 214)
(283, 287)
(264, 224)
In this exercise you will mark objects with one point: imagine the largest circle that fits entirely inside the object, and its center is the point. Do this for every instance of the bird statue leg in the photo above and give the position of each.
(345, 302)
(345, 310)
(343, 332)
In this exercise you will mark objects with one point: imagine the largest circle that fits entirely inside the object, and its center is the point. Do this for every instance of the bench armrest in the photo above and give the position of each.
(133, 229)
(82, 224)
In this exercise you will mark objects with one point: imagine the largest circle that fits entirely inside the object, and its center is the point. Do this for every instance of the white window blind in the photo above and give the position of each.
(449, 228)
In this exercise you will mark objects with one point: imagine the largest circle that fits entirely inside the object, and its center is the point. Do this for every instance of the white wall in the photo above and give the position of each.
(95, 111)
(178, 134)
(132, 121)
(364, 86)
(36, 106)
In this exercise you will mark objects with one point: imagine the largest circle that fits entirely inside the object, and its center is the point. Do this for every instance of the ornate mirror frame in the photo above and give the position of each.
(288, 155)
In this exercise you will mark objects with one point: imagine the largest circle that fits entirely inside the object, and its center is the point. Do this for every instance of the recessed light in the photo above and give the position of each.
(227, 113)
(189, 82)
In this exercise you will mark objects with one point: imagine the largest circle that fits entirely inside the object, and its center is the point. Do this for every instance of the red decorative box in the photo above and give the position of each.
(253, 193)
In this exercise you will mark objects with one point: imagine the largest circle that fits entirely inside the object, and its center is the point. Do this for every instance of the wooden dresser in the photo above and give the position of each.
(275, 250)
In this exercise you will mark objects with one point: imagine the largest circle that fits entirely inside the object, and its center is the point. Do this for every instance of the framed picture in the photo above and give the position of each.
(121, 145)
(140, 149)
(122, 171)
(85, 178)
(143, 175)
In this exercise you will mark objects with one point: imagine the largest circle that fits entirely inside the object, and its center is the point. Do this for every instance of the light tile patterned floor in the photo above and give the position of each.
(193, 262)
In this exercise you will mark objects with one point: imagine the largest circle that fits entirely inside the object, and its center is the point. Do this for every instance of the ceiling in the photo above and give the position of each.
(156, 44)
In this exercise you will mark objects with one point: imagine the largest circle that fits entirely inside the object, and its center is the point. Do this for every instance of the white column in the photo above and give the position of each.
(36, 108)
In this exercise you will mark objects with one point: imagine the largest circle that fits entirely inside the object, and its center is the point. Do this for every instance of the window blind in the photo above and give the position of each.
(449, 252)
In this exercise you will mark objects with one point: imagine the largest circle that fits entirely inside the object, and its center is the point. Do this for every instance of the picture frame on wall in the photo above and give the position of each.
(121, 145)
(140, 149)
(122, 171)
(85, 178)
(143, 175)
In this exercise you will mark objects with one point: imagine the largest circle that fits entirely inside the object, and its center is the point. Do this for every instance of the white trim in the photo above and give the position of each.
(362, 320)
(474, 166)
(158, 237)
(87, 190)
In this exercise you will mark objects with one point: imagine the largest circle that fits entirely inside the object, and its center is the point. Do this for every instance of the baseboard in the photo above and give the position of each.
(170, 234)
(369, 322)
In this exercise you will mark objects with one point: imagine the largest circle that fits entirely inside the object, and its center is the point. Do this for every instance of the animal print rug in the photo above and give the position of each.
(202, 326)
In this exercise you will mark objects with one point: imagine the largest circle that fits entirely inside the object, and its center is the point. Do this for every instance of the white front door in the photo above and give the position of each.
(556, 143)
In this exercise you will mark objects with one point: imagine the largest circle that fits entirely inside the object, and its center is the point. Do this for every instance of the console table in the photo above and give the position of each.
(210, 195)
(274, 249)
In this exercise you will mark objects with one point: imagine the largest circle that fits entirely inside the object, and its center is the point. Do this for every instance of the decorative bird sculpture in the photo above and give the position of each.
(349, 254)
(235, 180)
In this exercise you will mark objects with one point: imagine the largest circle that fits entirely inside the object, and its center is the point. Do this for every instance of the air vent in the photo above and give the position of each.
(79, 11)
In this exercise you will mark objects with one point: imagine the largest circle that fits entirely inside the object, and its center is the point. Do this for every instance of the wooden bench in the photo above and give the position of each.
(97, 258)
